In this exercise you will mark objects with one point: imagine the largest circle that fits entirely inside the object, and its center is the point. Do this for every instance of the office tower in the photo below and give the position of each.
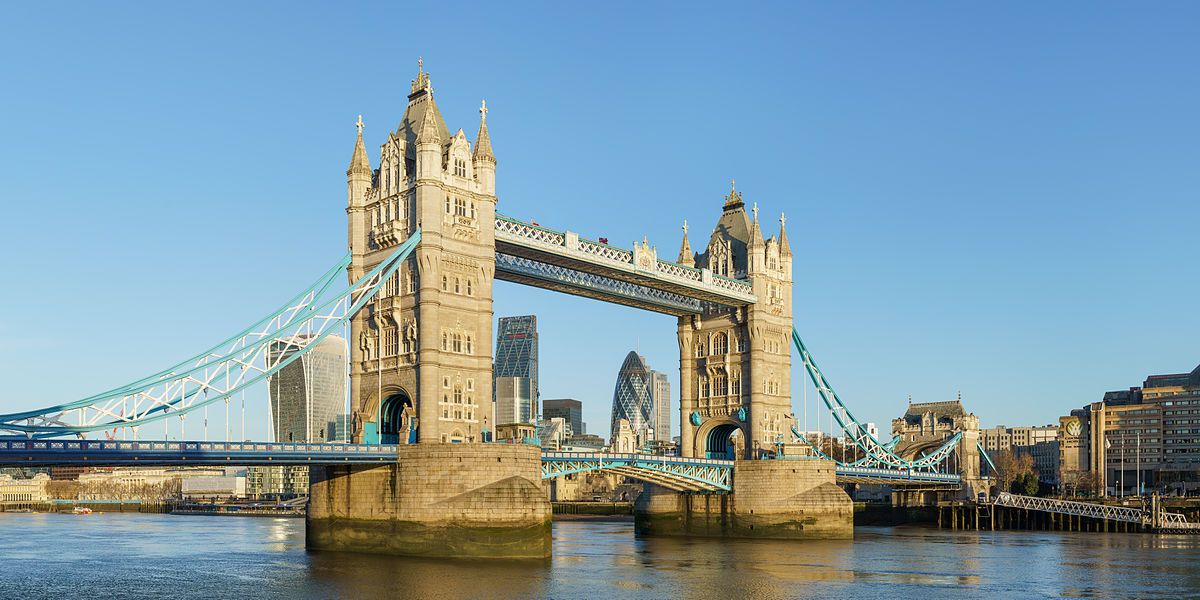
(310, 392)
(631, 397)
(660, 396)
(569, 410)
(516, 356)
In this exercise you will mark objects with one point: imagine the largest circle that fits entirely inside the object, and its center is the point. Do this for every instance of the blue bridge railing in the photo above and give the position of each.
(114, 452)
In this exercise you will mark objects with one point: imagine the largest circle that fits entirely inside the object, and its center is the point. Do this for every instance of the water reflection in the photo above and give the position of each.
(131, 555)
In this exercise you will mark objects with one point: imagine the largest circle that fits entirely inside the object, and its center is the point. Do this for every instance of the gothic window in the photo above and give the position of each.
(699, 350)
(470, 385)
(458, 394)
(447, 204)
(411, 282)
(445, 415)
(445, 337)
(460, 207)
(703, 387)
(457, 285)
(741, 344)
(389, 341)
(457, 337)
(720, 344)
(460, 167)
(472, 209)
(445, 283)
(470, 343)
(735, 385)
(718, 385)
(469, 293)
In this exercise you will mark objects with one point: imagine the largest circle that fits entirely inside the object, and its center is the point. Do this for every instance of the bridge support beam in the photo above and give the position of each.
(770, 499)
(439, 500)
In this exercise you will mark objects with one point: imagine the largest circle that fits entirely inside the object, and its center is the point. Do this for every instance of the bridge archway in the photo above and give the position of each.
(721, 439)
(391, 416)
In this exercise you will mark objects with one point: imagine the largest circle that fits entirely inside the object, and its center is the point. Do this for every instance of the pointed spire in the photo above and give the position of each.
(483, 143)
(429, 129)
(785, 249)
(686, 258)
(359, 163)
(756, 238)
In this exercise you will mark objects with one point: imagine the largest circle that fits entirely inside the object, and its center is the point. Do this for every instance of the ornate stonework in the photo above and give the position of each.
(423, 343)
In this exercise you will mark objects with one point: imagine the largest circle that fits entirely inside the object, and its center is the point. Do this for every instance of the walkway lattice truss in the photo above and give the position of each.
(1169, 521)
(676, 473)
(217, 374)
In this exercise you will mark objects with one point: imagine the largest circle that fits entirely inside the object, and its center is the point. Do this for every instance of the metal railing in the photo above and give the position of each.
(1126, 514)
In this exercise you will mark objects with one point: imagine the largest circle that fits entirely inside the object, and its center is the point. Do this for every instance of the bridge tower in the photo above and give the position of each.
(735, 363)
(421, 361)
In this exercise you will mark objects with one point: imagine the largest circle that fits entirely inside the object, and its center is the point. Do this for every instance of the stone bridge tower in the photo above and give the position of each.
(420, 351)
(735, 363)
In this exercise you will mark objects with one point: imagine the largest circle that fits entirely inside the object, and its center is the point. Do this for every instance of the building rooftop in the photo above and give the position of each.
(1175, 380)
(940, 410)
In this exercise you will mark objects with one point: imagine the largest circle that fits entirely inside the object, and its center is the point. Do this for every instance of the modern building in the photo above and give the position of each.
(516, 356)
(660, 398)
(568, 409)
(1137, 440)
(1041, 443)
(553, 433)
(308, 394)
(226, 487)
(588, 441)
(276, 482)
(631, 398)
(514, 401)
(343, 428)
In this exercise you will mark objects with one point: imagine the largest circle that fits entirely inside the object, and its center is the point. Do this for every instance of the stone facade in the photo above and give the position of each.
(735, 363)
(442, 500)
(421, 348)
(770, 499)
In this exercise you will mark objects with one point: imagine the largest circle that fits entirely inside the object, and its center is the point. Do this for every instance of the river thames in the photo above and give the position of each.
(164, 556)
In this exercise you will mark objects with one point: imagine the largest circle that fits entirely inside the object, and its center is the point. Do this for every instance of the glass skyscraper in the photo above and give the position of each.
(660, 394)
(631, 398)
(516, 356)
(308, 395)
(569, 410)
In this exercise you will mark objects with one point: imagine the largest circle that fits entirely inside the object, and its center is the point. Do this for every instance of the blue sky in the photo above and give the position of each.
(994, 199)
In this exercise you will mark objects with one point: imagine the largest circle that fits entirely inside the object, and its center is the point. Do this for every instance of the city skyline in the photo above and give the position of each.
(976, 214)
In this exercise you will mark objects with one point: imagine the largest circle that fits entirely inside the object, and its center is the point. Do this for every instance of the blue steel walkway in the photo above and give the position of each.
(143, 452)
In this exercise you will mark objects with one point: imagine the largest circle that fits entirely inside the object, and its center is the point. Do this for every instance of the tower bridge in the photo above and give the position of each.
(426, 245)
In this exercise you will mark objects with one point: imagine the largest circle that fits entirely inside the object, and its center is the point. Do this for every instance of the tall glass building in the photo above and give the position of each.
(631, 398)
(568, 409)
(660, 394)
(308, 395)
(516, 356)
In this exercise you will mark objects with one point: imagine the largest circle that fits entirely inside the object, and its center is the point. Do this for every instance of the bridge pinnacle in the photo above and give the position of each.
(359, 123)
(483, 110)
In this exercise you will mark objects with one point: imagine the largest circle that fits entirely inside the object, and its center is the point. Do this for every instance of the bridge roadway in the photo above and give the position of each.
(673, 472)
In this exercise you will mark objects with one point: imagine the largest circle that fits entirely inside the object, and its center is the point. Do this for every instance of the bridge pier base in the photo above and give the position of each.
(790, 499)
(438, 500)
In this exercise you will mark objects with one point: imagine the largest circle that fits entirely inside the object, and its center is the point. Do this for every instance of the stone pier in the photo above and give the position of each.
(770, 499)
(439, 500)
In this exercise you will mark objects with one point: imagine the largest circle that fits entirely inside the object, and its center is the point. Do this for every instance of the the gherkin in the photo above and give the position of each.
(631, 398)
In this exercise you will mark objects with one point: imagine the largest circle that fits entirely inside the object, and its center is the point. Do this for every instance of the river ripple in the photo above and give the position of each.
(164, 556)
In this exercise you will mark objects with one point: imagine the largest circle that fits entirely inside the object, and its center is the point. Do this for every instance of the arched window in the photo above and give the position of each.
(470, 343)
(469, 293)
(447, 204)
(741, 344)
(457, 285)
(445, 283)
(703, 387)
(699, 350)
(457, 342)
(445, 346)
(458, 394)
(412, 282)
(720, 344)
(718, 388)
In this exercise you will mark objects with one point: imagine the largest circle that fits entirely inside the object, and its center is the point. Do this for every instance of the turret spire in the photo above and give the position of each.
(428, 133)
(483, 143)
(784, 248)
(359, 163)
(686, 258)
(756, 238)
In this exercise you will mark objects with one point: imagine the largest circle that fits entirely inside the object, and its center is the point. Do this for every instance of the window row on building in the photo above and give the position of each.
(458, 341)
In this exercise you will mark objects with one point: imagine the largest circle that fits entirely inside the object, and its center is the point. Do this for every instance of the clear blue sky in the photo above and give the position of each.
(1000, 200)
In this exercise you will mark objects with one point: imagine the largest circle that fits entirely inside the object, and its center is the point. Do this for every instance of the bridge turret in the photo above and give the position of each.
(482, 159)
(686, 258)
(429, 147)
(785, 249)
(358, 182)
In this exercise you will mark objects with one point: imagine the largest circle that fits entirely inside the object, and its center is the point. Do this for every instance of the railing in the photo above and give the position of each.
(626, 457)
(1167, 521)
(897, 474)
(559, 241)
(99, 451)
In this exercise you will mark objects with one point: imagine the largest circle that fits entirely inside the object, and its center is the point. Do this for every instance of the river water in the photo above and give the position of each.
(116, 555)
